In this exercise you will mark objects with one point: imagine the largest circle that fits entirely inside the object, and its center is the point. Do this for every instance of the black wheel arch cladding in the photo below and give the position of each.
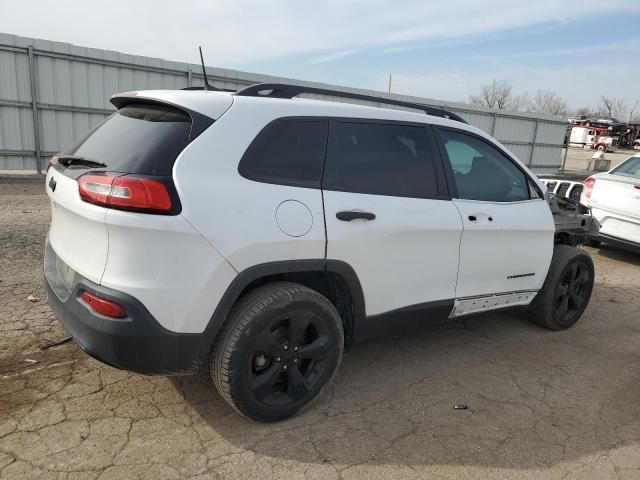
(293, 270)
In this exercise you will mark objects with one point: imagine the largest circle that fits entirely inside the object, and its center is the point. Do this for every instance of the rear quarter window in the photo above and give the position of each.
(288, 151)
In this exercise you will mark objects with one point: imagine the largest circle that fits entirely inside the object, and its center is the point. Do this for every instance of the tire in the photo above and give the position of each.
(601, 148)
(282, 344)
(566, 291)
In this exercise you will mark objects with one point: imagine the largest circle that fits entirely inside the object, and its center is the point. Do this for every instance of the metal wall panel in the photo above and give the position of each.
(60, 129)
(481, 120)
(550, 133)
(14, 77)
(514, 130)
(21, 162)
(73, 85)
(546, 157)
(523, 152)
(16, 129)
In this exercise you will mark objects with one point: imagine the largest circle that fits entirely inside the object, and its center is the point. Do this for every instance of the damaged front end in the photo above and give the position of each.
(573, 220)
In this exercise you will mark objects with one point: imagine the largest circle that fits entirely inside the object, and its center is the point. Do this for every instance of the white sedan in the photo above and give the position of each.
(614, 198)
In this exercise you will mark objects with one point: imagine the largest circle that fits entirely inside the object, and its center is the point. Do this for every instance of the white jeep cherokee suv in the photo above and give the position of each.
(256, 233)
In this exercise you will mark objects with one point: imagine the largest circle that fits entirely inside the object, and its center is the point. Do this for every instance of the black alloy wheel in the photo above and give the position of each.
(282, 343)
(572, 291)
(289, 358)
(566, 291)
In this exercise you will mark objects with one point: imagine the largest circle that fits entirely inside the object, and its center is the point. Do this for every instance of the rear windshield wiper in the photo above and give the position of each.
(78, 161)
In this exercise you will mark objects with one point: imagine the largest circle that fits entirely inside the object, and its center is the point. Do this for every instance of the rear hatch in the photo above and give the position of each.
(125, 163)
(77, 232)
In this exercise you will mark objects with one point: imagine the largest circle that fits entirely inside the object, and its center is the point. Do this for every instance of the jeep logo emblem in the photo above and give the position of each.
(52, 184)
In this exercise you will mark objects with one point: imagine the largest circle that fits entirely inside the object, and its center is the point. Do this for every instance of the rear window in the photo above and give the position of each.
(287, 152)
(142, 138)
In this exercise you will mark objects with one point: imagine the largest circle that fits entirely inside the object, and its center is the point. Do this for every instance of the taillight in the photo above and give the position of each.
(588, 186)
(52, 161)
(103, 306)
(124, 192)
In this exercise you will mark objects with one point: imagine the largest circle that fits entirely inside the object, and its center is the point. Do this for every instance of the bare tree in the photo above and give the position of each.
(619, 108)
(633, 118)
(606, 105)
(497, 94)
(584, 112)
(520, 103)
(613, 107)
(548, 102)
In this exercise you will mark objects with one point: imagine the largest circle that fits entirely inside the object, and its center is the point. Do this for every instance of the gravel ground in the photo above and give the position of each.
(541, 404)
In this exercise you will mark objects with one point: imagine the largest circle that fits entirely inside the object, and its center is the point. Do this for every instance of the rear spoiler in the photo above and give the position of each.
(207, 104)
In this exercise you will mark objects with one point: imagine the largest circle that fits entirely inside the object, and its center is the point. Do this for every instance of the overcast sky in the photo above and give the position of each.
(440, 49)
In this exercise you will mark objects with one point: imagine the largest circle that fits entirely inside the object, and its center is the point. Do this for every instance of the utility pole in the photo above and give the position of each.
(566, 150)
(389, 83)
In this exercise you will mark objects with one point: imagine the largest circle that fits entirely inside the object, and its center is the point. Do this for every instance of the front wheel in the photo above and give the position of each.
(282, 344)
(566, 291)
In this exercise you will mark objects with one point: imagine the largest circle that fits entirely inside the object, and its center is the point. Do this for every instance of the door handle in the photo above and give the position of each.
(347, 216)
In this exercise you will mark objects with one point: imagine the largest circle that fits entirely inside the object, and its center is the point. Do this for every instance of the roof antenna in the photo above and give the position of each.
(207, 87)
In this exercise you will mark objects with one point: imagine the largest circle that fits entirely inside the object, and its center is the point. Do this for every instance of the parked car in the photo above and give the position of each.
(255, 233)
(614, 198)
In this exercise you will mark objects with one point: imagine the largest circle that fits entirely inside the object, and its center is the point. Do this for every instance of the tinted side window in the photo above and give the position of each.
(481, 171)
(288, 152)
(380, 159)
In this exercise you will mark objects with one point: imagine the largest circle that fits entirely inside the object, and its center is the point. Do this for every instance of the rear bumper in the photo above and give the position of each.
(137, 342)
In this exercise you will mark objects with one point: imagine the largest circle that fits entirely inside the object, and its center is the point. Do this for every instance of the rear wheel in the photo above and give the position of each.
(566, 290)
(282, 344)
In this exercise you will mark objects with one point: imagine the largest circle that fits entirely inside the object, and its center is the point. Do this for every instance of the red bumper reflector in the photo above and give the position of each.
(103, 306)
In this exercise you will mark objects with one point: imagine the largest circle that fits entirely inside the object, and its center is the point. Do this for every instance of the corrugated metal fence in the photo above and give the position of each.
(51, 93)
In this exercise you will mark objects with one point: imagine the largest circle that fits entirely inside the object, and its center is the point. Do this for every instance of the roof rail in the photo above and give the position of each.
(283, 90)
(202, 88)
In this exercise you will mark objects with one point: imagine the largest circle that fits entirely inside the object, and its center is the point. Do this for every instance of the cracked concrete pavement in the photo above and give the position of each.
(541, 404)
